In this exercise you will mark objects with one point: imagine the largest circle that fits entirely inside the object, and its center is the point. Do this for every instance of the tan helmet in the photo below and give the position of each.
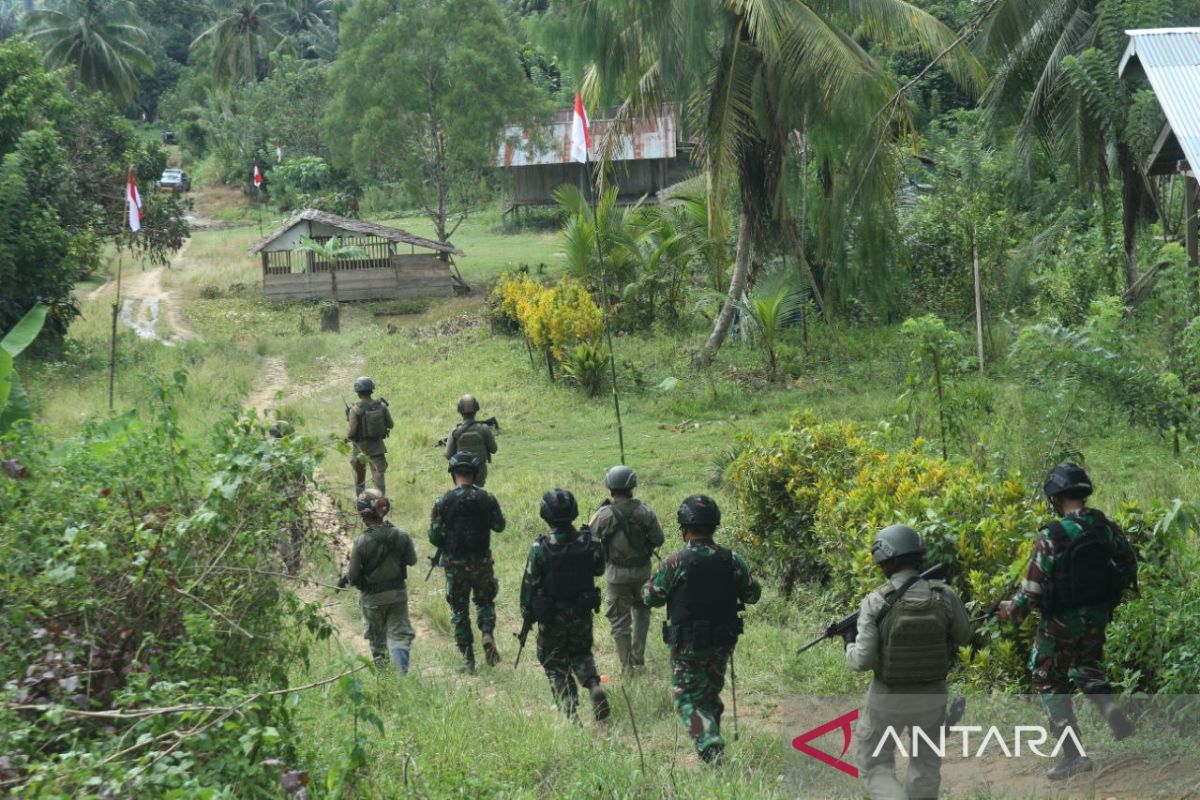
(467, 404)
(373, 502)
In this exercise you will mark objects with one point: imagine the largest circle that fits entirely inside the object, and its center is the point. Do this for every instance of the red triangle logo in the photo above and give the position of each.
(842, 723)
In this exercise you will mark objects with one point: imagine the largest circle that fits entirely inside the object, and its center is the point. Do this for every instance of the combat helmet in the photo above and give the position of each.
(620, 477)
(363, 384)
(895, 541)
(699, 511)
(467, 404)
(372, 501)
(464, 462)
(558, 506)
(1067, 478)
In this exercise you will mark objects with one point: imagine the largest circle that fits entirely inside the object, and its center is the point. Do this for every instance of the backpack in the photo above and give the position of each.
(1086, 572)
(914, 637)
(467, 516)
(636, 539)
(372, 420)
(471, 440)
(569, 573)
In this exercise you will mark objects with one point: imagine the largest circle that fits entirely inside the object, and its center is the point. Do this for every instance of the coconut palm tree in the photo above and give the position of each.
(101, 40)
(240, 40)
(302, 25)
(752, 74)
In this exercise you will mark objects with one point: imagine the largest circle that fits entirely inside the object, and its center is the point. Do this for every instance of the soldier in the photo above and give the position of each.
(460, 527)
(629, 533)
(378, 568)
(704, 586)
(559, 593)
(908, 633)
(1081, 565)
(369, 422)
(472, 437)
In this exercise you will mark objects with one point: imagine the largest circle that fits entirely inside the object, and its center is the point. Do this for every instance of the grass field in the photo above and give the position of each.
(497, 734)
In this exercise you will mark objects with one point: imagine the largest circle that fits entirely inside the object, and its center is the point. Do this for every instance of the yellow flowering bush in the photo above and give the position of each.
(552, 318)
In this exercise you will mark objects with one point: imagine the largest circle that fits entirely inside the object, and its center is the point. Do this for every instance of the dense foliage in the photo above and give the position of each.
(137, 576)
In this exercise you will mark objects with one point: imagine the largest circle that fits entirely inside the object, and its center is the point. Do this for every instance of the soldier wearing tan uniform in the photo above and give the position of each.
(472, 437)
(368, 423)
(629, 533)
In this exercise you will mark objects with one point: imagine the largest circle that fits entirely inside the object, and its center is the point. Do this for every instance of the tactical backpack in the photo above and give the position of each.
(386, 569)
(1086, 572)
(471, 439)
(467, 517)
(372, 420)
(914, 635)
(635, 537)
(703, 611)
(569, 572)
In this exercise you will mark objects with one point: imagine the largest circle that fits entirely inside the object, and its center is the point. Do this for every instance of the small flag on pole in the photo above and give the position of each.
(133, 201)
(258, 176)
(278, 153)
(581, 140)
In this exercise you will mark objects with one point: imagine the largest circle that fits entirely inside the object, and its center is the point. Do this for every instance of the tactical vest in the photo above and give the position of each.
(372, 420)
(703, 610)
(1084, 574)
(914, 637)
(383, 568)
(635, 551)
(471, 440)
(467, 516)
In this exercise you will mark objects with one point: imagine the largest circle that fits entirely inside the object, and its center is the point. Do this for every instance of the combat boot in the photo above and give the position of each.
(1119, 723)
(400, 656)
(467, 667)
(490, 654)
(600, 706)
(622, 642)
(1073, 761)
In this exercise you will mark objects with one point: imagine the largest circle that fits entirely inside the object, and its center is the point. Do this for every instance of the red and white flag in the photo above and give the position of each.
(258, 176)
(133, 201)
(581, 140)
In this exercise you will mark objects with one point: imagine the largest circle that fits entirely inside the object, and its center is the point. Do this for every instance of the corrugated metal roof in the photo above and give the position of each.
(652, 137)
(1170, 58)
(359, 226)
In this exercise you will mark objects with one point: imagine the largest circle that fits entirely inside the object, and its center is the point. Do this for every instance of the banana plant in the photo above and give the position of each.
(14, 403)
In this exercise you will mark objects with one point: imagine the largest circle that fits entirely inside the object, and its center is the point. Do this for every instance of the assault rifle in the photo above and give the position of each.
(434, 562)
(526, 627)
(994, 608)
(850, 621)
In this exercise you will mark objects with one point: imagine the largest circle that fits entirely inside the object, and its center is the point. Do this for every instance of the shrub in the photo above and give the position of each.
(586, 366)
(551, 318)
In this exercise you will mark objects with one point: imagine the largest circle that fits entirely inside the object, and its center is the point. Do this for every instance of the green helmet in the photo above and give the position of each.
(620, 477)
(1067, 478)
(464, 462)
(698, 511)
(895, 541)
(363, 384)
(558, 505)
(467, 404)
(372, 501)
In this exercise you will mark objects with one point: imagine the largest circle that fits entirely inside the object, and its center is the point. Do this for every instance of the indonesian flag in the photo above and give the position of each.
(134, 202)
(258, 176)
(581, 140)
(278, 153)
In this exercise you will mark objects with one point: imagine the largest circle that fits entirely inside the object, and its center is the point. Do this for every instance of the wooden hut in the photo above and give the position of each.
(394, 263)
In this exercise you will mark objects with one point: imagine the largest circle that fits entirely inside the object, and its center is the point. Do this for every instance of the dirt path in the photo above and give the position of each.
(147, 308)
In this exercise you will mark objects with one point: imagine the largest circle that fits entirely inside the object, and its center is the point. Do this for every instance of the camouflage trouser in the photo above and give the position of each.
(1067, 651)
(630, 618)
(564, 648)
(478, 578)
(359, 461)
(386, 625)
(697, 680)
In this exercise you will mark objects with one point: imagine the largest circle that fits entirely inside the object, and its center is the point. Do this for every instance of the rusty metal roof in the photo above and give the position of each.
(361, 227)
(1170, 59)
(643, 137)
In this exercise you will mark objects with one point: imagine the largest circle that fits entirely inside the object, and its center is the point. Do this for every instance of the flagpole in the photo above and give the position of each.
(112, 353)
(612, 362)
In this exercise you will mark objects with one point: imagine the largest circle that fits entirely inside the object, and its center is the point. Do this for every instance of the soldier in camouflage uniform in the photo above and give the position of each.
(704, 587)
(472, 437)
(368, 423)
(629, 533)
(909, 630)
(1081, 565)
(559, 592)
(460, 527)
(378, 568)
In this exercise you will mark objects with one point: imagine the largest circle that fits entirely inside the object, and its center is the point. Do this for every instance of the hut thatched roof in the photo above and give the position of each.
(354, 226)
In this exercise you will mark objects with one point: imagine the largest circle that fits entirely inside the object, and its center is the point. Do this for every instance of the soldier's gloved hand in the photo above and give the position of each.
(343, 582)
(1004, 610)
(850, 635)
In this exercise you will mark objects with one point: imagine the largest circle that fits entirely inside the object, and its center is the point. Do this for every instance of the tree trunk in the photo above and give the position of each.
(741, 269)
(978, 298)
(1131, 209)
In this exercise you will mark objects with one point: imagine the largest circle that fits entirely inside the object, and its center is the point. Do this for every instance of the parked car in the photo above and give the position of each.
(175, 180)
(168, 137)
